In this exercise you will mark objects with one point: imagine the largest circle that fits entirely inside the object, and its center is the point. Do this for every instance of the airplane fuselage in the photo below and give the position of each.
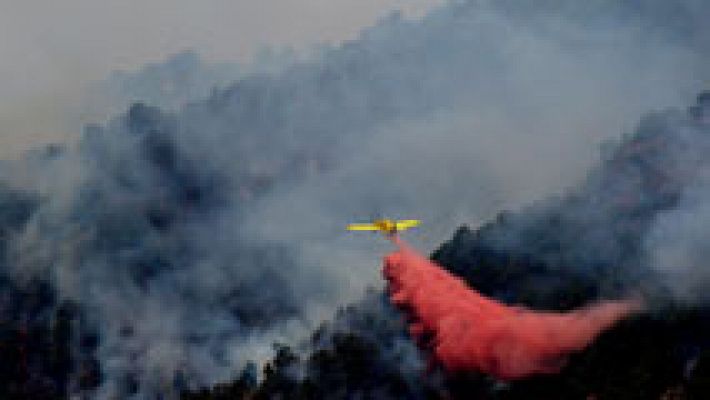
(386, 225)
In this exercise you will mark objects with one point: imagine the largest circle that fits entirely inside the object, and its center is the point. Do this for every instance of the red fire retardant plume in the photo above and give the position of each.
(470, 332)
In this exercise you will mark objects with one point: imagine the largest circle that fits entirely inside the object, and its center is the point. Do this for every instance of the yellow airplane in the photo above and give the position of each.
(386, 226)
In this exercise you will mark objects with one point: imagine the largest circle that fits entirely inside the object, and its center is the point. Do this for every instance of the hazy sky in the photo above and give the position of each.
(50, 50)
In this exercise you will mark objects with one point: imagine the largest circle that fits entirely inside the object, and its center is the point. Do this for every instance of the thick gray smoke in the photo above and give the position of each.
(171, 84)
(168, 85)
(192, 240)
(676, 245)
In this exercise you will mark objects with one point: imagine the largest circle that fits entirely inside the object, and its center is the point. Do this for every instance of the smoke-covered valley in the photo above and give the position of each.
(188, 238)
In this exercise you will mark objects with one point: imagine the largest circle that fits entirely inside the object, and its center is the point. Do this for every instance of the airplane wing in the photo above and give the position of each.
(407, 223)
(363, 227)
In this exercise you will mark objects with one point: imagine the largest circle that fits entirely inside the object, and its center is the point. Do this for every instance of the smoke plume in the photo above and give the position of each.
(190, 240)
